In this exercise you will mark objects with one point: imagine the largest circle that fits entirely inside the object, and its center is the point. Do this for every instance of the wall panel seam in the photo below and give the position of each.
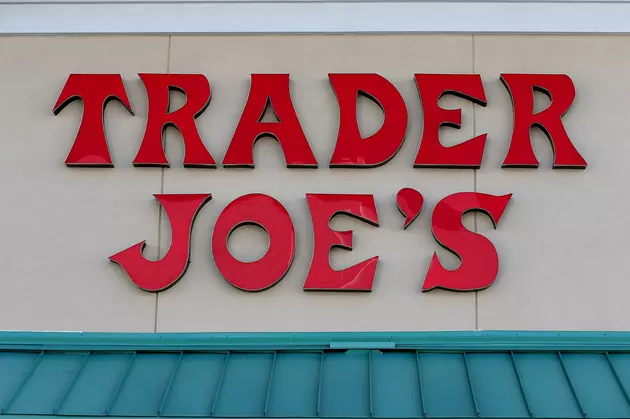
(160, 215)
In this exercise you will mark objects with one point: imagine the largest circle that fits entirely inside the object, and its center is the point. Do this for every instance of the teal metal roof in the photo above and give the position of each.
(436, 375)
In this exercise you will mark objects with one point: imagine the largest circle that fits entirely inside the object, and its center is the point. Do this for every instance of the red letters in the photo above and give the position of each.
(197, 91)
(95, 91)
(560, 90)
(321, 276)
(160, 275)
(352, 150)
(431, 88)
(479, 259)
(269, 90)
(268, 213)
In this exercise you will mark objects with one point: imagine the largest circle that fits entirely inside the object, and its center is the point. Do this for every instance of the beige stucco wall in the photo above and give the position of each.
(562, 241)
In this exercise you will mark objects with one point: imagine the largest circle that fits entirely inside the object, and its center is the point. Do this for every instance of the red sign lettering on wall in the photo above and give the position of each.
(95, 91)
(181, 211)
(197, 91)
(479, 258)
(269, 214)
(352, 150)
(480, 262)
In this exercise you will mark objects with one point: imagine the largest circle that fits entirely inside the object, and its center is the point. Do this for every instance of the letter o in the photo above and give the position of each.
(269, 214)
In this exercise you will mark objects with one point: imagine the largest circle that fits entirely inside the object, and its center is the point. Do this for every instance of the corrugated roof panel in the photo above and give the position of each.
(364, 383)
(496, 384)
(142, 388)
(596, 386)
(295, 385)
(95, 386)
(620, 365)
(45, 384)
(194, 385)
(445, 385)
(395, 385)
(546, 387)
(345, 385)
(13, 369)
(243, 387)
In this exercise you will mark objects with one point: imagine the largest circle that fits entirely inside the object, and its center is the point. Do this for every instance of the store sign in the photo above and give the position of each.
(479, 258)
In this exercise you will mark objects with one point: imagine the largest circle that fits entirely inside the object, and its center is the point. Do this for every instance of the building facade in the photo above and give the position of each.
(191, 125)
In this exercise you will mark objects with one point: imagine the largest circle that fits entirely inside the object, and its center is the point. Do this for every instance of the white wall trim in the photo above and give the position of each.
(46, 17)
